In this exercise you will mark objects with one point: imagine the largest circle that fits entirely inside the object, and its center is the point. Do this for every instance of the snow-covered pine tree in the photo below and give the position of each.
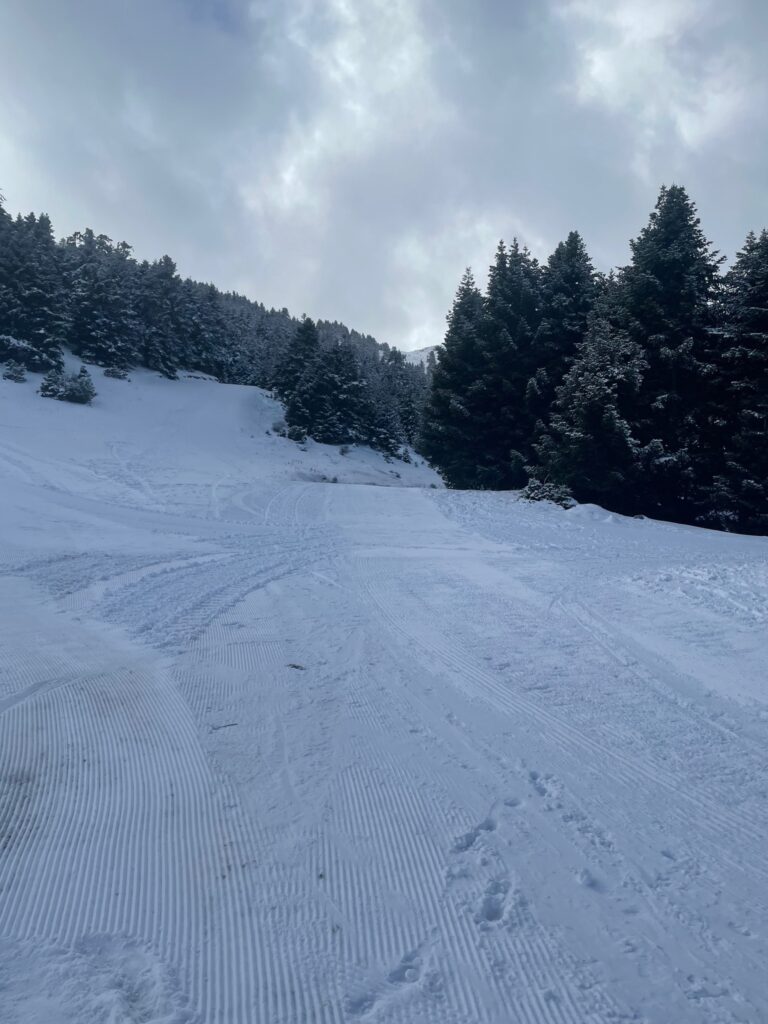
(666, 306)
(736, 431)
(52, 384)
(404, 390)
(204, 331)
(451, 437)
(568, 293)
(14, 371)
(103, 326)
(158, 293)
(80, 388)
(588, 446)
(31, 293)
(512, 315)
(327, 401)
(300, 355)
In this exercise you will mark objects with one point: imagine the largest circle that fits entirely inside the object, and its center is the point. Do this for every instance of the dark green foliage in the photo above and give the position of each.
(338, 394)
(14, 371)
(102, 325)
(32, 298)
(299, 356)
(736, 427)
(645, 391)
(327, 401)
(542, 490)
(74, 387)
(666, 296)
(568, 292)
(589, 446)
(26, 355)
(52, 384)
(116, 372)
(451, 435)
(158, 296)
(79, 388)
(91, 295)
(478, 427)
(511, 320)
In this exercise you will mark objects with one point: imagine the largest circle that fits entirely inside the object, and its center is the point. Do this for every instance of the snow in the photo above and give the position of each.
(419, 355)
(275, 749)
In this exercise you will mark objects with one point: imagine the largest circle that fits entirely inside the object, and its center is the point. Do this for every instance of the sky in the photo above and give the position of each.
(348, 158)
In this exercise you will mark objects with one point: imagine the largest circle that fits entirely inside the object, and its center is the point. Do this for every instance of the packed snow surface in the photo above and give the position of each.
(275, 749)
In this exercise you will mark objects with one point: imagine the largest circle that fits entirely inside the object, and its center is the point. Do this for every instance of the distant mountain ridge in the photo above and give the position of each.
(420, 355)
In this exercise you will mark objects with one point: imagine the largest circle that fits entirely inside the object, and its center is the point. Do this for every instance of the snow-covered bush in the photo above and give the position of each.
(296, 433)
(542, 490)
(116, 372)
(14, 371)
(73, 387)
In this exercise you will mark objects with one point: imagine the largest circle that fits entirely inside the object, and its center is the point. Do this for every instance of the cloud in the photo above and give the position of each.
(664, 64)
(348, 158)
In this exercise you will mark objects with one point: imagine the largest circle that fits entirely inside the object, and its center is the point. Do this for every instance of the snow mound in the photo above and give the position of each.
(102, 978)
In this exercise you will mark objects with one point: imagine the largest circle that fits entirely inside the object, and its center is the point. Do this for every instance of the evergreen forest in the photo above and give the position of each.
(644, 390)
(88, 294)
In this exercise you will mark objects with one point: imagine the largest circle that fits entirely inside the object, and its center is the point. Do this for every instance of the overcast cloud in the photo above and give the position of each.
(347, 158)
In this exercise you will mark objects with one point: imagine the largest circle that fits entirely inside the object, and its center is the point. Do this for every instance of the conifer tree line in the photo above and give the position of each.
(644, 390)
(91, 296)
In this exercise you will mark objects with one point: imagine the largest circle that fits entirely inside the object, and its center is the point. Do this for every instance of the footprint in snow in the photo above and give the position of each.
(493, 903)
(467, 841)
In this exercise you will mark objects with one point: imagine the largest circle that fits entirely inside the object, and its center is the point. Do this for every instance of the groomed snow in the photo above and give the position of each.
(279, 750)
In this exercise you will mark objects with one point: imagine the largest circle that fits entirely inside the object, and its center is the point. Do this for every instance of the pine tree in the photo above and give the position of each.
(569, 287)
(52, 384)
(450, 435)
(14, 371)
(79, 388)
(203, 329)
(31, 292)
(589, 446)
(158, 294)
(300, 354)
(667, 297)
(7, 267)
(512, 314)
(103, 327)
(736, 430)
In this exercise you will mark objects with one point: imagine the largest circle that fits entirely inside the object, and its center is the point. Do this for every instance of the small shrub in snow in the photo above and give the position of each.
(116, 372)
(297, 434)
(79, 388)
(344, 450)
(52, 384)
(74, 387)
(542, 490)
(279, 428)
(14, 371)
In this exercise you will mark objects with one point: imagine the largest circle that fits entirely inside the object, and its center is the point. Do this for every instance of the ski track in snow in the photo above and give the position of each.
(276, 750)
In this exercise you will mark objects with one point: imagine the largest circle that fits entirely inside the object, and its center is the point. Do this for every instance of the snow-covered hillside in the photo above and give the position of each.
(419, 355)
(278, 750)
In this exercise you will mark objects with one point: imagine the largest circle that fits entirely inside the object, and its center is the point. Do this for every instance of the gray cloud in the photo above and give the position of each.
(348, 158)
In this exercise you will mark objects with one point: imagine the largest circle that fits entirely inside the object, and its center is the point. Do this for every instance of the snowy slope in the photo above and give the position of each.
(419, 355)
(274, 749)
